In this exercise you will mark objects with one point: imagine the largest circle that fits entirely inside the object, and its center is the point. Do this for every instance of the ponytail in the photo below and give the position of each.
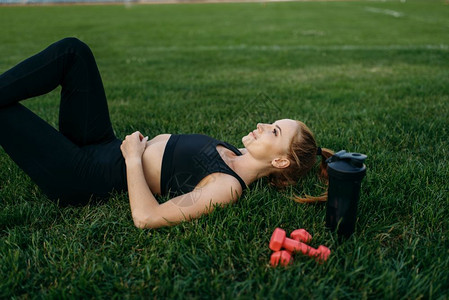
(324, 154)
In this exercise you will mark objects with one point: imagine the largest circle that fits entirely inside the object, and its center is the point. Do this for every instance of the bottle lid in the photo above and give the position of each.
(346, 165)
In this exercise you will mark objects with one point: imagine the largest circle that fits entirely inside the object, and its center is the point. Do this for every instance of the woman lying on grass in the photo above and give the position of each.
(84, 160)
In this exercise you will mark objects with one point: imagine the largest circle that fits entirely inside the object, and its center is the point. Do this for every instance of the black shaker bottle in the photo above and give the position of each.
(346, 171)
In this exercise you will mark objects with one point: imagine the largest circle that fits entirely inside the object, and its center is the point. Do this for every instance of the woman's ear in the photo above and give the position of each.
(280, 163)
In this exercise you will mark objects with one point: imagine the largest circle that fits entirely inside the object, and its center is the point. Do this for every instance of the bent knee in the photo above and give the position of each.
(75, 45)
(71, 41)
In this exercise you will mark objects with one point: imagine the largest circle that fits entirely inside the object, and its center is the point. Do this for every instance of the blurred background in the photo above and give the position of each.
(129, 1)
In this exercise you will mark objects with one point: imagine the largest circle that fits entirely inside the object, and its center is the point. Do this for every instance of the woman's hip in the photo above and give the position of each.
(100, 171)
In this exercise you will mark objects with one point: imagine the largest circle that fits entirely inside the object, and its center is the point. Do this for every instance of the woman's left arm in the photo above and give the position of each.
(141, 199)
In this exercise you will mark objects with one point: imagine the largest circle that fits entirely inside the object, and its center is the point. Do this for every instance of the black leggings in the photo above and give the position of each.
(82, 160)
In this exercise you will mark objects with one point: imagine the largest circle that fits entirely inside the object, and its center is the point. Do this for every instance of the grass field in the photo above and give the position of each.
(366, 76)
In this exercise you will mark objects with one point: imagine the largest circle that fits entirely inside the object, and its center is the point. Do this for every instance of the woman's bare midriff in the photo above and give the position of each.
(152, 161)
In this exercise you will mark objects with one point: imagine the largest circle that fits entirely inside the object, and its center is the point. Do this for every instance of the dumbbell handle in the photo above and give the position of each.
(294, 246)
(297, 246)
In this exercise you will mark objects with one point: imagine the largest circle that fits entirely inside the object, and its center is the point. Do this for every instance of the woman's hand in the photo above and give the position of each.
(133, 146)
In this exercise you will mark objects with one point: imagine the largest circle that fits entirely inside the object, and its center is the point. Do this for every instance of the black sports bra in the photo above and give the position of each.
(188, 158)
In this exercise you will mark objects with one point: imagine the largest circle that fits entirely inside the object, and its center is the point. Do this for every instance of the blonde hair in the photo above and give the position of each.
(302, 156)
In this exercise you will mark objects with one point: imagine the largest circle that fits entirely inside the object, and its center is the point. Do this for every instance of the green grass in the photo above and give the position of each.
(363, 80)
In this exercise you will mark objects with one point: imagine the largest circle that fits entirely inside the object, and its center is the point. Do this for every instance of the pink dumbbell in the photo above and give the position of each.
(285, 257)
(279, 240)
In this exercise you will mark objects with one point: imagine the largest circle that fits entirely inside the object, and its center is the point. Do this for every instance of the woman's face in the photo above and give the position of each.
(271, 141)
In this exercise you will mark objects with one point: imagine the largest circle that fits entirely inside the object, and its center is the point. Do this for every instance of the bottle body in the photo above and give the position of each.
(342, 203)
(346, 172)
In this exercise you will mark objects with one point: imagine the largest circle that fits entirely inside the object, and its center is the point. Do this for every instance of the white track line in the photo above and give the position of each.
(388, 12)
(274, 48)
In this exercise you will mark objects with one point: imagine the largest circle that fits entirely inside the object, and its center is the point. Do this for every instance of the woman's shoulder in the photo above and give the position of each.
(222, 181)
